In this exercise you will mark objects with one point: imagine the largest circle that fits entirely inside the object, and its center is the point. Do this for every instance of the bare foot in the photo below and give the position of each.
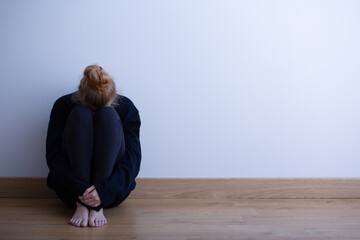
(80, 217)
(97, 219)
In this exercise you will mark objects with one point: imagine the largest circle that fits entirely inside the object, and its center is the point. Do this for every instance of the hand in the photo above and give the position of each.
(91, 197)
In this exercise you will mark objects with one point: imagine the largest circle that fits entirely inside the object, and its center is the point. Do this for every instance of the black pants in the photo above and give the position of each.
(92, 142)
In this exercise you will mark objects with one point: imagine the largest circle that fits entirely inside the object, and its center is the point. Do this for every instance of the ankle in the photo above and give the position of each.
(79, 205)
(100, 210)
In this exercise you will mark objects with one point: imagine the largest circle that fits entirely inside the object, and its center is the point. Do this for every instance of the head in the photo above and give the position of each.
(96, 88)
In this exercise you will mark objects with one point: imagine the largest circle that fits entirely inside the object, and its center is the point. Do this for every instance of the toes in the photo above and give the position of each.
(91, 222)
(101, 222)
(96, 222)
(73, 221)
(84, 223)
(78, 221)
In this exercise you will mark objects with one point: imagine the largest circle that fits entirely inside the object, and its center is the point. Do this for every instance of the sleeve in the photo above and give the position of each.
(62, 174)
(122, 179)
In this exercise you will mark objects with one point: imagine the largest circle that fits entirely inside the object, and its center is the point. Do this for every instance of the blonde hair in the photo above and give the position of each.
(96, 87)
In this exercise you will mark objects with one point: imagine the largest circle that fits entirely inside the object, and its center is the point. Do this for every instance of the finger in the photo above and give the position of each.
(93, 195)
(88, 201)
(83, 202)
(90, 189)
(88, 196)
(82, 198)
(93, 204)
(90, 193)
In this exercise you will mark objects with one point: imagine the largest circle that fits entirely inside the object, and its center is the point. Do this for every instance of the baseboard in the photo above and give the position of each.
(206, 188)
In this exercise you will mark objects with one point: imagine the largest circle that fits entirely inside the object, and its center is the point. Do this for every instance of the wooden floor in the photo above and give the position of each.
(26, 218)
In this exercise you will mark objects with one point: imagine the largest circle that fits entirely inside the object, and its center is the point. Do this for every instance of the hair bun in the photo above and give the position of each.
(96, 88)
(97, 79)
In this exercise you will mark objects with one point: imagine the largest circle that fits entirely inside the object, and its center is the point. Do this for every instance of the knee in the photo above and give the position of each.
(81, 113)
(106, 114)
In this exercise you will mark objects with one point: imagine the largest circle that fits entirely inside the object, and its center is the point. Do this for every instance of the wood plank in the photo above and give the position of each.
(25, 187)
(248, 188)
(279, 219)
(204, 188)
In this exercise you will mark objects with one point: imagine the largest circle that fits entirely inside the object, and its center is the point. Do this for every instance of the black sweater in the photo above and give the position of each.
(122, 180)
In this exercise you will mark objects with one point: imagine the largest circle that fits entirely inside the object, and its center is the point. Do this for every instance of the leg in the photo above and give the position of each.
(108, 144)
(78, 140)
(78, 144)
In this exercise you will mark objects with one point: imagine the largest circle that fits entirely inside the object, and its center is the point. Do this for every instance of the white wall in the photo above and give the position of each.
(224, 88)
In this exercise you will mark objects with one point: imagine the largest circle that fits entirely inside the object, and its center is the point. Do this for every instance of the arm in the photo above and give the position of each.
(127, 167)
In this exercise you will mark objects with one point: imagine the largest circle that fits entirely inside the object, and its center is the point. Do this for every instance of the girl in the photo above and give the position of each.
(92, 148)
